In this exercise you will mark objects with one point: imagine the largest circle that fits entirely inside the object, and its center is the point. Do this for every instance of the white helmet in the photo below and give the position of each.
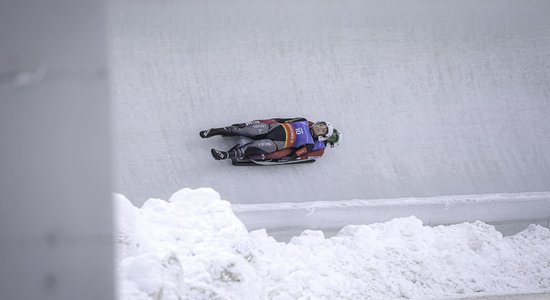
(330, 131)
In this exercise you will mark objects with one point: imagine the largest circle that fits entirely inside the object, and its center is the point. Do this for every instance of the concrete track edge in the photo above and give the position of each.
(509, 212)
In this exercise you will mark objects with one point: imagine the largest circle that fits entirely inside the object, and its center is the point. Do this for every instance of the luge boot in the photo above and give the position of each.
(219, 154)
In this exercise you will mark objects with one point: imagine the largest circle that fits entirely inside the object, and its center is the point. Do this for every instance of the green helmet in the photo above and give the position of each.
(335, 138)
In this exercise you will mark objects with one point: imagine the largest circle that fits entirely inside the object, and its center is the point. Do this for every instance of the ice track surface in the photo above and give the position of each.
(431, 101)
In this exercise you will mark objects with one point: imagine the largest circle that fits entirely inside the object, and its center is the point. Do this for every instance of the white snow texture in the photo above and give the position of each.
(193, 247)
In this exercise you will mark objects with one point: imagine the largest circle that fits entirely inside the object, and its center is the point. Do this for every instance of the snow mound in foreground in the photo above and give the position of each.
(193, 247)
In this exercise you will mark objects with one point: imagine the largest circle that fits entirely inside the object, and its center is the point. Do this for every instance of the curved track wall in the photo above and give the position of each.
(432, 100)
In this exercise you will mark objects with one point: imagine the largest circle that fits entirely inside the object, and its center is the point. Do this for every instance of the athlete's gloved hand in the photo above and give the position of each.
(289, 157)
(285, 159)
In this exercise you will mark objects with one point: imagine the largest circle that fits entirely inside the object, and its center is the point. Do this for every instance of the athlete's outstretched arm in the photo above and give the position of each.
(270, 121)
(289, 120)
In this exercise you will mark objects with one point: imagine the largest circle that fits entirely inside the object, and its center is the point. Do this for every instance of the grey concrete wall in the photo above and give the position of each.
(55, 207)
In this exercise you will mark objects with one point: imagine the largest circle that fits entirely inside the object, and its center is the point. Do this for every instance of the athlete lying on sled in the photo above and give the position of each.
(276, 141)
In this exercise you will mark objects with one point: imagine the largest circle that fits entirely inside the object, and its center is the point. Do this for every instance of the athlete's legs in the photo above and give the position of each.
(254, 129)
(255, 147)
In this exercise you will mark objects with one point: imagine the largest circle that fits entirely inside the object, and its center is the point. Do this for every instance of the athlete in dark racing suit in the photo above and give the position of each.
(277, 139)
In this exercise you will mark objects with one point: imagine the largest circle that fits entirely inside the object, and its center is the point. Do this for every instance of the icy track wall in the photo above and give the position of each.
(193, 247)
(450, 100)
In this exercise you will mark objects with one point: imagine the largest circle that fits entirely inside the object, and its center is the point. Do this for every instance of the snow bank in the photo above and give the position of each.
(193, 247)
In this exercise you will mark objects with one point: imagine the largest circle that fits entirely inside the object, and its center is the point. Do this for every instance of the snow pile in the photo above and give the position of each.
(193, 247)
